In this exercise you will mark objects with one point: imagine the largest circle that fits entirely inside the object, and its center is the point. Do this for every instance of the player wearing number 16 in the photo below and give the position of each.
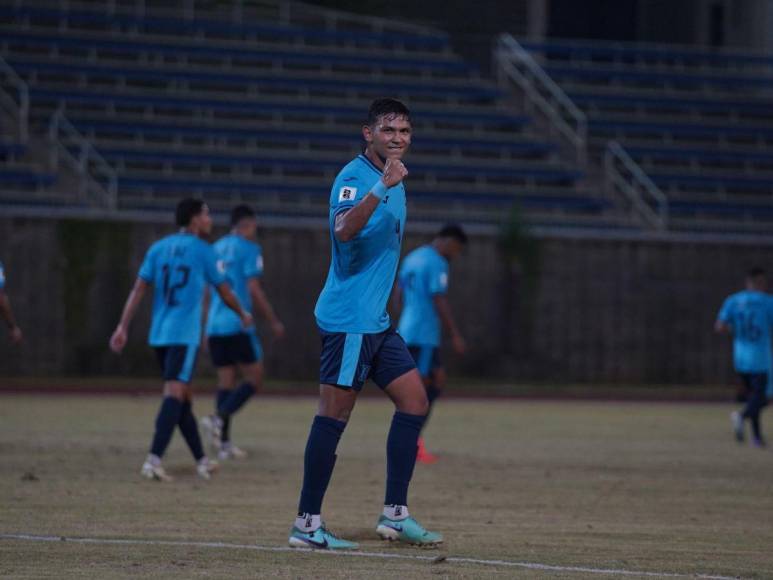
(748, 316)
(178, 267)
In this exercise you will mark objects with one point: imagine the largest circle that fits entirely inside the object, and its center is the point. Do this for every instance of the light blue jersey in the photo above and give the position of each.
(242, 260)
(750, 314)
(363, 269)
(423, 274)
(2, 276)
(179, 267)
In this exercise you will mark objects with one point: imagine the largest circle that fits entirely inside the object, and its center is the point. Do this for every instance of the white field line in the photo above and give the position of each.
(358, 554)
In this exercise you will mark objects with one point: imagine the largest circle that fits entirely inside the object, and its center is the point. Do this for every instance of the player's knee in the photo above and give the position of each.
(416, 404)
(177, 390)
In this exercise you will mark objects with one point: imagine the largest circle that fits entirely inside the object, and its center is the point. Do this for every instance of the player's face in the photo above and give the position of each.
(204, 222)
(248, 227)
(454, 248)
(389, 137)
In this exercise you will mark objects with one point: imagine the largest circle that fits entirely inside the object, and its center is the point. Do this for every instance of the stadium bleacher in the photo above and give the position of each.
(268, 110)
(699, 122)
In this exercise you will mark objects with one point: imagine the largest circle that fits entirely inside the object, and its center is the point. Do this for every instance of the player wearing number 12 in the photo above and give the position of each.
(748, 316)
(178, 267)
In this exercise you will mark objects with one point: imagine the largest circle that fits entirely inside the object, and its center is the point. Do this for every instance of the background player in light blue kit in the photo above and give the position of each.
(748, 315)
(232, 347)
(421, 292)
(6, 312)
(178, 267)
(367, 220)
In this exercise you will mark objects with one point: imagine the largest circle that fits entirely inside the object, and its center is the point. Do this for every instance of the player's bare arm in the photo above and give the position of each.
(230, 300)
(7, 313)
(264, 307)
(118, 340)
(444, 311)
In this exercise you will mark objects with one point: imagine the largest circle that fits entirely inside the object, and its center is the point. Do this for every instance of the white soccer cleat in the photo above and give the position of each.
(213, 429)
(155, 472)
(205, 468)
(230, 451)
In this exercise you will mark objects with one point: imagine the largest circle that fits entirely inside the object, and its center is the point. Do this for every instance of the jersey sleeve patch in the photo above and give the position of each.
(347, 193)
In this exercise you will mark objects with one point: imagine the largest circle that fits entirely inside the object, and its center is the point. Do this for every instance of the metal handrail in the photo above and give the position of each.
(18, 108)
(623, 173)
(97, 176)
(514, 63)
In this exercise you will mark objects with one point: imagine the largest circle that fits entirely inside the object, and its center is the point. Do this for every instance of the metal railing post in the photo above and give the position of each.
(514, 63)
(622, 173)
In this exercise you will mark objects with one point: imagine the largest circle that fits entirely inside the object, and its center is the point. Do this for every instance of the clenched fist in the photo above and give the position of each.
(394, 172)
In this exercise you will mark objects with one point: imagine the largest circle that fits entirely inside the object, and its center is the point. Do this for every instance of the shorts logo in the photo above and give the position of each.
(221, 266)
(443, 280)
(259, 263)
(364, 370)
(347, 193)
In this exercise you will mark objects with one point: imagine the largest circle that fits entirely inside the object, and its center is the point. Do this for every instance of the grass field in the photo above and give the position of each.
(655, 487)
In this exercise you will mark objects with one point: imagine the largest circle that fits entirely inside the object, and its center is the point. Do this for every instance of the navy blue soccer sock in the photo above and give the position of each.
(225, 429)
(236, 400)
(190, 430)
(318, 462)
(166, 420)
(401, 456)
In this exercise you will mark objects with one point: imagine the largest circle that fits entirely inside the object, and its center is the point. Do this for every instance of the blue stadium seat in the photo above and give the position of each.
(333, 86)
(26, 177)
(419, 143)
(172, 103)
(673, 103)
(682, 129)
(681, 78)
(193, 27)
(736, 182)
(243, 55)
(727, 209)
(706, 155)
(446, 170)
(212, 187)
(605, 51)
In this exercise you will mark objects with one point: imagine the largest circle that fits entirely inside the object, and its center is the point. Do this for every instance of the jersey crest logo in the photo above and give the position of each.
(347, 193)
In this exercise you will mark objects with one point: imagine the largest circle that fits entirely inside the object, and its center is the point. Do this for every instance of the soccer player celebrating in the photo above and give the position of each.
(232, 347)
(178, 267)
(14, 332)
(421, 289)
(748, 316)
(367, 220)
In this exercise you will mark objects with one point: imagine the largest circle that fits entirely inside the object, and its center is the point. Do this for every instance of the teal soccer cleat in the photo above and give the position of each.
(319, 539)
(407, 530)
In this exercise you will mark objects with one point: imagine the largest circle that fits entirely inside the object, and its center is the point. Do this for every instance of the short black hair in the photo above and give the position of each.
(240, 212)
(756, 272)
(386, 106)
(188, 209)
(454, 231)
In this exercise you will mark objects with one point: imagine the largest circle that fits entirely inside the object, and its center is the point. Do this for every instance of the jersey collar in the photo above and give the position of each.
(370, 164)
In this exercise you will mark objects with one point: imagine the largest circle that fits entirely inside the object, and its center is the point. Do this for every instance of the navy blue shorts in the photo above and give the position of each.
(177, 361)
(348, 360)
(427, 359)
(232, 349)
